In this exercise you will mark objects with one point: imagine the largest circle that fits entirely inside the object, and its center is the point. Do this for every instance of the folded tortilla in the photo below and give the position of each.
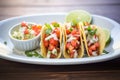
(43, 48)
(81, 48)
(101, 38)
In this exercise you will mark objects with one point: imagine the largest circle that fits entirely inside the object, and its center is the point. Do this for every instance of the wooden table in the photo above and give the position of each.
(108, 70)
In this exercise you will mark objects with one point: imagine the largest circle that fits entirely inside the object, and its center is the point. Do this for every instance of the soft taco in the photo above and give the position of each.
(94, 39)
(73, 44)
(51, 38)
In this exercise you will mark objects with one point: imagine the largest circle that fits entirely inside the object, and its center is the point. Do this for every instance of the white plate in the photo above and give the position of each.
(6, 51)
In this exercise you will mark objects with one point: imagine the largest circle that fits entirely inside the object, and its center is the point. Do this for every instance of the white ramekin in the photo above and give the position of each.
(24, 45)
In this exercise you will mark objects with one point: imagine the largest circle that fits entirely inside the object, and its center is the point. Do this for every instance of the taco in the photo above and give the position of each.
(73, 44)
(94, 39)
(51, 38)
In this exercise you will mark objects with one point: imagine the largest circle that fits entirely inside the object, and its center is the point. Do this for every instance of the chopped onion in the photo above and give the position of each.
(75, 54)
(94, 53)
(71, 38)
(52, 36)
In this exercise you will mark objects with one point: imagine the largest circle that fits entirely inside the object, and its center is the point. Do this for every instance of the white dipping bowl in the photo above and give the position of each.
(24, 45)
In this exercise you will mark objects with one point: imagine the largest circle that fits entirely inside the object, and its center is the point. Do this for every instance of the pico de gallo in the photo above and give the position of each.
(52, 39)
(92, 39)
(26, 31)
(73, 40)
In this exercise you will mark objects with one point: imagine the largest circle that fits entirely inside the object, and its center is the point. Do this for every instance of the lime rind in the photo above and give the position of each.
(77, 16)
(108, 38)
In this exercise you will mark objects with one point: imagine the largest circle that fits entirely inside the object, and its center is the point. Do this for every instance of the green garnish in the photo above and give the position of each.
(71, 29)
(56, 25)
(49, 52)
(49, 29)
(28, 53)
(106, 52)
(89, 28)
(91, 31)
(5, 42)
(48, 26)
(33, 53)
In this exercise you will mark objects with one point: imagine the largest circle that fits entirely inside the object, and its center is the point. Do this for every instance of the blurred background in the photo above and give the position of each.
(12, 8)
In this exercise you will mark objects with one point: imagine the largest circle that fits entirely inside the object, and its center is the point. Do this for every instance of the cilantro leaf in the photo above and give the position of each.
(33, 53)
(106, 52)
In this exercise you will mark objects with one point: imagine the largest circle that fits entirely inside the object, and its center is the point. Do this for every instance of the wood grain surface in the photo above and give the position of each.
(108, 70)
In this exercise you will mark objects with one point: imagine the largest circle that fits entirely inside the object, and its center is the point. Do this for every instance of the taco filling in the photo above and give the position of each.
(92, 40)
(73, 41)
(51, 40)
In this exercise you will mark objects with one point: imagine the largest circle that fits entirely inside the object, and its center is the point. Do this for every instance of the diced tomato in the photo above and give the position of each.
(39, 27)
(57, 31)
(53, 42)
(78, 32)
(51, 47)
(46, 43)
(52, 56)
(70, 48)
(26, 31)
(92, 47)
(90, 51)
(37, 33)
(77, 37)
(74, 32)
(71, 54)
(67, 31)
(36, 28)
(67, 45)
(97, 45)
(24, 24)
(74, 43)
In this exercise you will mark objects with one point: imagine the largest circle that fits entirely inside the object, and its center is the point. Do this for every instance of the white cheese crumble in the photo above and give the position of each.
(71, 38)
(32, 32)
(94, 53)
(75, 54)
(52, 36)
(54, 51)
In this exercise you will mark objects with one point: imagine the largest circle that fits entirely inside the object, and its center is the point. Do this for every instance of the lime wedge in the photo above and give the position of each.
(108, 38)
(78, 16)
